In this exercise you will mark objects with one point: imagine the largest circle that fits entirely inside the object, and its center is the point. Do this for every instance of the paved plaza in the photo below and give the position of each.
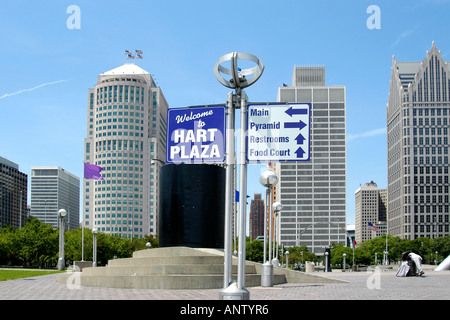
(374, 285)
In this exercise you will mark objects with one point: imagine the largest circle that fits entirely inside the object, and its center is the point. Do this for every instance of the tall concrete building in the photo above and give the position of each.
(53, 188)
(418, 115)
(126, 136)
(13, 194)
(370, 207)
(313, 193)
(256, 219)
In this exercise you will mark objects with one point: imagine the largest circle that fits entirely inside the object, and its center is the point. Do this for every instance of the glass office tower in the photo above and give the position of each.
(53, 188)
(126, 136)
(313, 193)
(418, 115)
(13, 194)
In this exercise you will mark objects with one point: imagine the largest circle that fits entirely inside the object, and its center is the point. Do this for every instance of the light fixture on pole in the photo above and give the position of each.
(61, 221)
(276, 207)
(267, 179)
(240, 79)
(287, 259)
(94, 247)
(344, 255)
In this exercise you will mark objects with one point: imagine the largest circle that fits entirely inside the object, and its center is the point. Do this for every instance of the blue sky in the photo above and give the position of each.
(47, 67)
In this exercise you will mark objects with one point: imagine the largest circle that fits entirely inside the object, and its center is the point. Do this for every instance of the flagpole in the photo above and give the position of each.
(91, 171)
(82, 240)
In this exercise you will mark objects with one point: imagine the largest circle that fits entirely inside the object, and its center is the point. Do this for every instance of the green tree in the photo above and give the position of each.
(337, 255)
(37, 243)
(254, 250)
(295, 255)
(73, 245)
(8, 245)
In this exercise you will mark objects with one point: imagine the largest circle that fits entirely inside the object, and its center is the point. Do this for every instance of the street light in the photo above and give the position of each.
(240, 79)
(148, 245)
(344, 255)
(277, 207)
(287, 259)
(94, 247)
(61, 215)
(268, 179)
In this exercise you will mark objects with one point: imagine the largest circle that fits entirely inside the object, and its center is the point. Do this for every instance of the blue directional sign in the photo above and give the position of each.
(196, 134)
(278, 132)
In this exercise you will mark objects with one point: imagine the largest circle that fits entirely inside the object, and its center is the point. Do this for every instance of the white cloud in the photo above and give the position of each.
(404, 35)
(6, 95)
(366, 134)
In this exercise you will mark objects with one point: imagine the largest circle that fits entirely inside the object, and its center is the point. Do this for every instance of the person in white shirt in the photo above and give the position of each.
(418, 261)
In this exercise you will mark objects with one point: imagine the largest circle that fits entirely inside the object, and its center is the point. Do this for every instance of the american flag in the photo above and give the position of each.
(139, 56)
(127, 52)
(372, 227)
(139, 52)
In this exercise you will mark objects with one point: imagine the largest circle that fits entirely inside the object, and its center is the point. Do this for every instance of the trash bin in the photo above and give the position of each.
(309, 266)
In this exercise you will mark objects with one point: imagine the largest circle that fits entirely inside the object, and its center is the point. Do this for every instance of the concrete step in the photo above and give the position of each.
(164, 269)
(164, 260)
(177, 251)
(169, 281)
(181, 268)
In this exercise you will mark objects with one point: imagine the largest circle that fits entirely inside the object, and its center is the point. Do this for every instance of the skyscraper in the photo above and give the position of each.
(418, 115)
(313, 193)
(53, 188)
(126, 136)
(257, 216)
(13, 194)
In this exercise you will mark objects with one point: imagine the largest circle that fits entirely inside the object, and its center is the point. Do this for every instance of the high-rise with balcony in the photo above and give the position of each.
(126, 136)
(418, 116)
(313, 193)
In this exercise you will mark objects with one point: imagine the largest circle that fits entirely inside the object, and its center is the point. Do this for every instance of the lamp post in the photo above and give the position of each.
(94, 247)
(61, 215)
(344, 255)
(148, 245)
(287, 259)
(277, 207)
(240, 79)
(385, 257)
(268, 179)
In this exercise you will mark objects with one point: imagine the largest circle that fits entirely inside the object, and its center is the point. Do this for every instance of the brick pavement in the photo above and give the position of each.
(358, 286)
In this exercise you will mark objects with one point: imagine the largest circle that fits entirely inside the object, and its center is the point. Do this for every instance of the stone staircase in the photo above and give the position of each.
(180, 268)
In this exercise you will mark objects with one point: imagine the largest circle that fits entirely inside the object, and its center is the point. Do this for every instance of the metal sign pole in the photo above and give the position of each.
(242, 198)
(233, 291)
(229, 192)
